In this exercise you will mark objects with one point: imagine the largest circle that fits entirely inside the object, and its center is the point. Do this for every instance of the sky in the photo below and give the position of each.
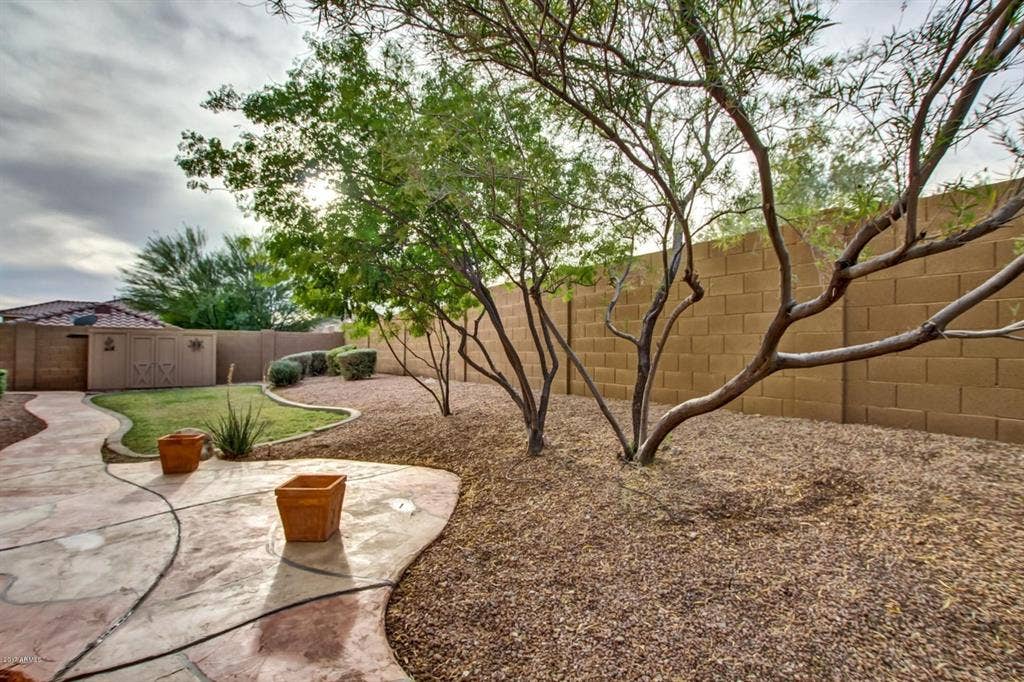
(93, 99)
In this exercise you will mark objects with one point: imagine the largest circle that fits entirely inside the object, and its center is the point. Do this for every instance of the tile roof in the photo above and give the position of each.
(115, 314)
(47, 308)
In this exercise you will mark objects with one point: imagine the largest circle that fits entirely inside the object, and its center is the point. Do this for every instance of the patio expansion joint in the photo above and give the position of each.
(171, 508)
(5, 479)
(207, 637)
(74, 660)
(194, 668)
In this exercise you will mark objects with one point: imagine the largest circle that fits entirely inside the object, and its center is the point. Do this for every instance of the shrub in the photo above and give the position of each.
(356, 364)
(284, 373)
(332, 355)
(236, 432)
(304, 360)
(317, 363)
(3, 382)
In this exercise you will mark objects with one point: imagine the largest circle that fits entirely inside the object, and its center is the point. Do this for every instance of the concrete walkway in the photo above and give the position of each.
(121, 573)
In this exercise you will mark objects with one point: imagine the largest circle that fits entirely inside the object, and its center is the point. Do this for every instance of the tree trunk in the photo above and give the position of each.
(535, 443)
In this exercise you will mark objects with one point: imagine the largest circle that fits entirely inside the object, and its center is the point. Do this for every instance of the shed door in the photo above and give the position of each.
(143, 361)
(165, 367)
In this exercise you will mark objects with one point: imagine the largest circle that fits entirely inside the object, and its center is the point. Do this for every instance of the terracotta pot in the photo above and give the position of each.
(310, 506)
(179, 452)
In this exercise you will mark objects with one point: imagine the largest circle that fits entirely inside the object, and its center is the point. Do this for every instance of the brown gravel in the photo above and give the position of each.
(755, 548)
(17, 423)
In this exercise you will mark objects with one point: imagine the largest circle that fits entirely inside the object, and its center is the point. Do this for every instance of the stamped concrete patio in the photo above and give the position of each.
(119, 572)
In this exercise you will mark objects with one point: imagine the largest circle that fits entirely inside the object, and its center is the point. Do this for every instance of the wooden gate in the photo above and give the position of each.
(148, 358)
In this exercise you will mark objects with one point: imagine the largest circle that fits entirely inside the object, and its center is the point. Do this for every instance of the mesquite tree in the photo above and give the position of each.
(690, 93)
(444, 184)
(395, 332)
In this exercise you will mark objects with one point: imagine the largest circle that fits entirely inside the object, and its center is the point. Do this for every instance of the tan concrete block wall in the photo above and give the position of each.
(386, 362)
(62, 358)
(243, 349)
(517, 327)
(45, 357)
(7, 352)
(286, 343)
(419, 360)
(970, 387)
(252, 351)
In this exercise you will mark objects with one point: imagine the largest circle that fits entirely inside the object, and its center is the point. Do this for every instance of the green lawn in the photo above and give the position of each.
(155, 413)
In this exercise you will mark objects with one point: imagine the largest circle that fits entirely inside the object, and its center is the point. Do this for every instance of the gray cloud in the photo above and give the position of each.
(93, 98)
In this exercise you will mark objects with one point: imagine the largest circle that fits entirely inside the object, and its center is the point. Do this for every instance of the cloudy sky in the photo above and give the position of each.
(93, 98)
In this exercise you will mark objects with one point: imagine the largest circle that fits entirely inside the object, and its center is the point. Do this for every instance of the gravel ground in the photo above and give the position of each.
(755, 548)
(17, 423)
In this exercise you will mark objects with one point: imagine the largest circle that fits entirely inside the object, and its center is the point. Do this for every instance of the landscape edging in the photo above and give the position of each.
(113, 441)
(352, 414)
(114, 444)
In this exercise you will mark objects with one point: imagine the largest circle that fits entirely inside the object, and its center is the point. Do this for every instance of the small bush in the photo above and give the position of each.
(237, 432)
(3, 382)
(284, 373)
(317, 363)
(332, 355)
(304, 360)
(356, 364)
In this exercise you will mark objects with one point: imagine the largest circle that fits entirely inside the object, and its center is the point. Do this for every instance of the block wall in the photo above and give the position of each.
(48, 357)
(7, 352)
(969, 387)
(965, 387)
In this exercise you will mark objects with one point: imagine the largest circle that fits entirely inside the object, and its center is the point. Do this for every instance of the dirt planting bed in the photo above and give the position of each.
(755, 548)
(17, 423)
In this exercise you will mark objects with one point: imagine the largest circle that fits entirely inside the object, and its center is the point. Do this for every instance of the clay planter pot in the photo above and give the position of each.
(179, 452)
(310, 506)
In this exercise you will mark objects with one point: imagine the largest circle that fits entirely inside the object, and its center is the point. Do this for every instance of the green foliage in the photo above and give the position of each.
(965, 203)
(825, 179)
(158, 412)
(304, 360)
(313, 362)
(177, 278)
(238, 430)
(356, 364)
(284, 373)
(443, 184)
(332, 358)
(3, 382)
(317, 363)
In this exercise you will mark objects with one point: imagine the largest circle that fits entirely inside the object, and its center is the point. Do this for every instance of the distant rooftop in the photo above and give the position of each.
(112, 313)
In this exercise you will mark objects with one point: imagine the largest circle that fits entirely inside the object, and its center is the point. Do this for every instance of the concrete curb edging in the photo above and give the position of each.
(113, 441)
(114, 444)
(352, 414)
(323, 408)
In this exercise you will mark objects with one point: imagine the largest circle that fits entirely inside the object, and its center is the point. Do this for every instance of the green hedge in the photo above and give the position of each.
(356, 364)
(3, 382)
(332, 354)
(313, 362)
(284, 372)
(304, 360)
(317, 363)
